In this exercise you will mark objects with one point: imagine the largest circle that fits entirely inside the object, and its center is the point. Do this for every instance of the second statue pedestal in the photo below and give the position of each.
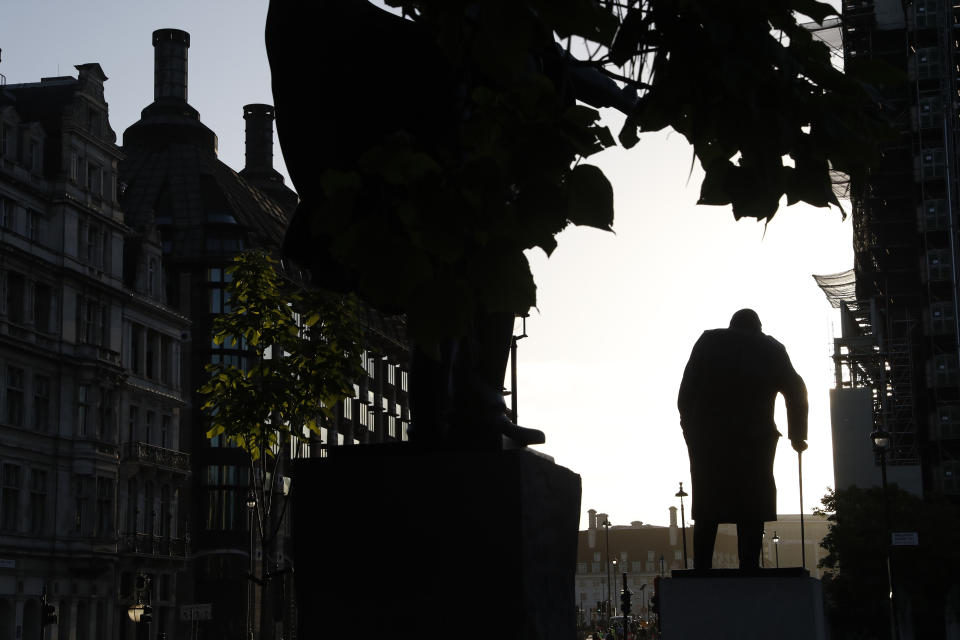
(785, 604)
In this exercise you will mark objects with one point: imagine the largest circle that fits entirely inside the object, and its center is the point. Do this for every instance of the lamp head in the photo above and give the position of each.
(881, 439)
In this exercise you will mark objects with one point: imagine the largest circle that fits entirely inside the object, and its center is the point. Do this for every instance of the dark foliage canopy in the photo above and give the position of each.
(856, 584)
(448, 204)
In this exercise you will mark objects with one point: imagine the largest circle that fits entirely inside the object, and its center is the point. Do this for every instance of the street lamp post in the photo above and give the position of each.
(683, 524)
(613, 603)
(606, 604)
(776, 546)
(881, 444)
(251, 505)
(763, 546)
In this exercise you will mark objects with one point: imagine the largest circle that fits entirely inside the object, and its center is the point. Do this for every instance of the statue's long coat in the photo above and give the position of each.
(726, 404)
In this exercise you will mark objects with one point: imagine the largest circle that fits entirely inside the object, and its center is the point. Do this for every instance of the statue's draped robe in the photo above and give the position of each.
(345, 75)
(726, 405)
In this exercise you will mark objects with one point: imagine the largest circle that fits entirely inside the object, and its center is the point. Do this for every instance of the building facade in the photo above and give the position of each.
(112, 268)
(202, 214)
(68, 442)
(901, 338)
(645, 552)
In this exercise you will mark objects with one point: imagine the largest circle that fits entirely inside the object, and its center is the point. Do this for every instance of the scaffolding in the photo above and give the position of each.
(901, 336)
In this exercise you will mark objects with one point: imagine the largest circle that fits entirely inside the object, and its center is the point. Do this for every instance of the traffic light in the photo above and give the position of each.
(147, 616)
(625, 602)
(48, 615)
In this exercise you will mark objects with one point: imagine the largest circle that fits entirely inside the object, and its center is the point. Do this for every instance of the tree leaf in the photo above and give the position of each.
(589, 197)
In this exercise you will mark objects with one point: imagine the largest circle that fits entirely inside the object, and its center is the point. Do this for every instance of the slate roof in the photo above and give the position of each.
(174, 180)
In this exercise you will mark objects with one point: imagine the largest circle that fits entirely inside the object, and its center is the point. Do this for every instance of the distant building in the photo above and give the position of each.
(645, 551)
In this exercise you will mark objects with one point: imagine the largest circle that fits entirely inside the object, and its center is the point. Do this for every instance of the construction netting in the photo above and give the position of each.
(838, 287)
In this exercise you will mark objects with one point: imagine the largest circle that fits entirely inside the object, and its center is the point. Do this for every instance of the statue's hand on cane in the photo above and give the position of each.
(799, 445)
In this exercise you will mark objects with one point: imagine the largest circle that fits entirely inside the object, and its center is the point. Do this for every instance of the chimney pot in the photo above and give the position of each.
(170, 64)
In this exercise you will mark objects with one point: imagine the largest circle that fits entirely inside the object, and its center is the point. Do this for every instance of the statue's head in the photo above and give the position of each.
(746, 320)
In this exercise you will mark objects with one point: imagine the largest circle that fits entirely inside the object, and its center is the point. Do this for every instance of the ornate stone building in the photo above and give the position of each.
(89, 486)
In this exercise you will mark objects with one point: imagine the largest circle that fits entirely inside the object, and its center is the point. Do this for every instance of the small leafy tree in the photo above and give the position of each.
(303, 351)
(855, 585)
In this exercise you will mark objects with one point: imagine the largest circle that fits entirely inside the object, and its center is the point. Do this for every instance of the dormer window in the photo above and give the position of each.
(32, 157)
(93, 121)
(151, 275)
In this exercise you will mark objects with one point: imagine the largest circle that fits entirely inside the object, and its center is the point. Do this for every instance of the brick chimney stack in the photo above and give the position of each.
(170, 64)
(259, 137)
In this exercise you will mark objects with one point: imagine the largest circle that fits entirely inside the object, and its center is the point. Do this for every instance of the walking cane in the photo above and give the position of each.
(803, 546)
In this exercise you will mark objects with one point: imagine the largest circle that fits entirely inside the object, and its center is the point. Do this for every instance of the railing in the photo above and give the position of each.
(146, 544)
(150, 454)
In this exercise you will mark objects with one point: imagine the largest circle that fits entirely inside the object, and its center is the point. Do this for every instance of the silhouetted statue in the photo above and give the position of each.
(726, 404)
(347, 74)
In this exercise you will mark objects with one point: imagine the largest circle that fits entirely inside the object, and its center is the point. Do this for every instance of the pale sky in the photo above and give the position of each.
(617, 313)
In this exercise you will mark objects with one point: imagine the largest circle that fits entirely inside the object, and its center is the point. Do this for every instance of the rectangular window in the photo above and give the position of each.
(74, 166)
(132, 509)
(10, 497)
(94, 178)
(104, 259)
(43, 305)
(79, 503)
(166, 360)
(165, 434)
(16, 295)
(148, 427)
(104, 426)
(34, 157)
(83, 409)
(14, 413)
(136, 346)
(151, 355)
(88, 248)
(41, 403)
(38, 501)
(36, 226)
(6, 136)
(92, 322)
(104, 507)
(225, 486)
(6, 213)
(132, 423)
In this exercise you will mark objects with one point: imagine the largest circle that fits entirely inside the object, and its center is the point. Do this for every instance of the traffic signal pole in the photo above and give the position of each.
(48, 614)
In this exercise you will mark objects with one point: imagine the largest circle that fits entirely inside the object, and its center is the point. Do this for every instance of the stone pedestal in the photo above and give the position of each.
(394, 541)
(785, 604)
